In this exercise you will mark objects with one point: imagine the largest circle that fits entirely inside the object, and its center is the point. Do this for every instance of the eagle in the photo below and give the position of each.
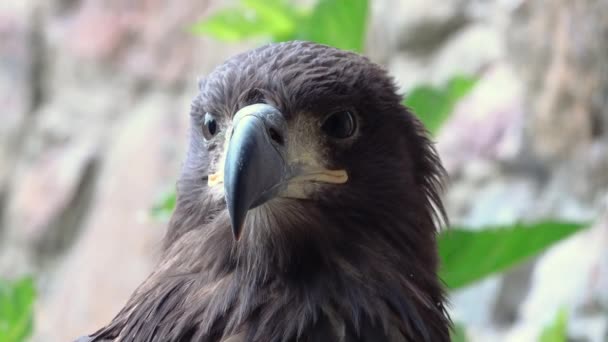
(308, 208)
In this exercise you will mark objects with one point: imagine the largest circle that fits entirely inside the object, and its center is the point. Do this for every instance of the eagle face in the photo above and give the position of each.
(306, 210)
(296, 127)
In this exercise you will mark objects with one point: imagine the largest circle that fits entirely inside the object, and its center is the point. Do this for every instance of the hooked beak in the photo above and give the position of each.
(254, 168)
(257, 168)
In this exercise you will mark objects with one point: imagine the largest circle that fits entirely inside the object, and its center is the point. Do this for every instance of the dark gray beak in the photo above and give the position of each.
(255, 169)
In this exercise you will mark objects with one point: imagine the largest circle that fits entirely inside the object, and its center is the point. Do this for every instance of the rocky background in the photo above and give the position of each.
(94, 99)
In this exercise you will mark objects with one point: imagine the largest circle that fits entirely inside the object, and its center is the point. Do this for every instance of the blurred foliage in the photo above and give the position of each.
(340, 23)
(163, 206)
(557, 331)
(16, 309)
(468, 256)
(433, 105)
(272, 19)
(458, 333)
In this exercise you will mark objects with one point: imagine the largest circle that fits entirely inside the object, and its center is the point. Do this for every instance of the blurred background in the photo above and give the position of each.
(94, 103)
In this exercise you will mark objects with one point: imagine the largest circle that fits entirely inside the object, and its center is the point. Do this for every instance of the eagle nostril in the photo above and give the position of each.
(275, 136)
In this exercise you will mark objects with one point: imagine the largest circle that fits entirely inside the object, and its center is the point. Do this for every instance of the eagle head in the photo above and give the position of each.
(307, 210)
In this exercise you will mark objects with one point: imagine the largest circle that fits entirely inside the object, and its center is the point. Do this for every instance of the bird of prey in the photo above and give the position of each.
(307, 210)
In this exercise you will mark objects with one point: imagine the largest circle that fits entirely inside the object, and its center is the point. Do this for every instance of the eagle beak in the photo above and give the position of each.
(255, 168)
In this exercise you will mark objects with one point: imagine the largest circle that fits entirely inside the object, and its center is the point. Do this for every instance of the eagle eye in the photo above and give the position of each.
(210, 126)
(340, 125)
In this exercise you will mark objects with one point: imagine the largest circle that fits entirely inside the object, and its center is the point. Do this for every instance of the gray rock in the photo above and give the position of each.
(118, 242)
(17, 70)
(568, 278)
(458, 55)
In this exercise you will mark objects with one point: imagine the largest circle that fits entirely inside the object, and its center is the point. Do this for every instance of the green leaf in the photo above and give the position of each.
(278, 17)
(459, 86)
(433, 105)
(16, 309)
(231, 25)
(558, 330)
(458, 333)
(468, 256)
(255, 18)
(339, 23)
(164, 206)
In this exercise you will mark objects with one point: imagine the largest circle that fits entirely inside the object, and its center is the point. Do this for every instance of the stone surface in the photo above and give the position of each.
(17, 69)
(458, 55)
(414, 26)
(118, 241)
(44, 191)
(559, 47)
(95, 102)
(494, 111)
(582, 294)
